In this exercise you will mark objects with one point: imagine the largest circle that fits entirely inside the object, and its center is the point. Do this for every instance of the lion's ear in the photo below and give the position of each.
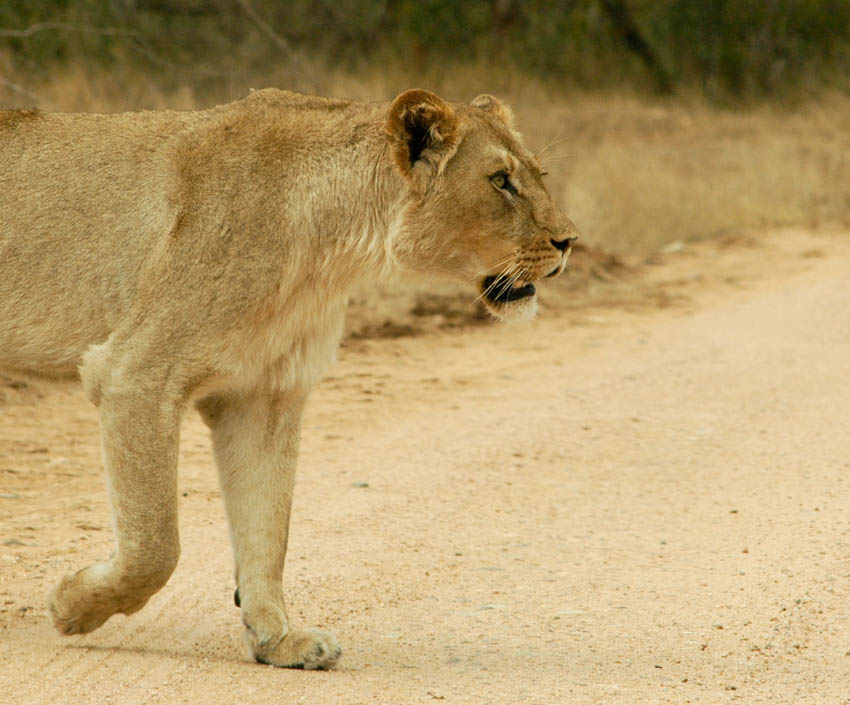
(423, 129)
(491, 104)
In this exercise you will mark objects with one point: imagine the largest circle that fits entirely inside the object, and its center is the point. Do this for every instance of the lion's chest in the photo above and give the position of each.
(293, 343)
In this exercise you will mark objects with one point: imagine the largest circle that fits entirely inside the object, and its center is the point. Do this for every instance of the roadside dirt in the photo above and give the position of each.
(642, 498)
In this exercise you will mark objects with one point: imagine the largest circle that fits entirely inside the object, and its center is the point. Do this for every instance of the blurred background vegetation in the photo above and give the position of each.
(661, 121)
(727, 50)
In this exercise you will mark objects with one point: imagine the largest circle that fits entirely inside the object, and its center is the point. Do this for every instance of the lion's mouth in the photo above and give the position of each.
(501, 289)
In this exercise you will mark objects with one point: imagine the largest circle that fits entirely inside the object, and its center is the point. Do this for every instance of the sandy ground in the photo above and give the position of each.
(641, 499)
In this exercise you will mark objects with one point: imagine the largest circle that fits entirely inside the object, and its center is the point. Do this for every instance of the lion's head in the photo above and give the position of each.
(480, 209)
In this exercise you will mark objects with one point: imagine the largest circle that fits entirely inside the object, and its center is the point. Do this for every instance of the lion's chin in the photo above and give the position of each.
(509, 301)
(515, 312)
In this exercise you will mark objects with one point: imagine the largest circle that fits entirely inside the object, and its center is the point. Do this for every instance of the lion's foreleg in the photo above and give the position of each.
(140, 412)
(255, 438)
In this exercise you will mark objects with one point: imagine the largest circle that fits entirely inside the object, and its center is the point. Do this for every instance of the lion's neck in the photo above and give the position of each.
(370, 199)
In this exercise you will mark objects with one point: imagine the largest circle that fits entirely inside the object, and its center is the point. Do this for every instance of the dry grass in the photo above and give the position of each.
(637, 176)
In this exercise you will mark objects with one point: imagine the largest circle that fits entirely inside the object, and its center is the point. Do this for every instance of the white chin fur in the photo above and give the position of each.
(514, 311)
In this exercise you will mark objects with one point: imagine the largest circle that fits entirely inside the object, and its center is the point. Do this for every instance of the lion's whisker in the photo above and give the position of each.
(511, 273)
(553, 141)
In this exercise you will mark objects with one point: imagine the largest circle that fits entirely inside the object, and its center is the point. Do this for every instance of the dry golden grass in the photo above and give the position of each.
(637, 176)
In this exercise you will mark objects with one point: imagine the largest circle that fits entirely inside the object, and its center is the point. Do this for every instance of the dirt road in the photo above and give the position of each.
(633, 504)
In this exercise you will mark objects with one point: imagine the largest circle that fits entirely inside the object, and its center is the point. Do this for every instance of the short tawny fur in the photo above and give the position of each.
(206, 257)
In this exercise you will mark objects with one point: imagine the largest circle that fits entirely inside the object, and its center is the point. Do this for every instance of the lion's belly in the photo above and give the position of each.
(60, 295)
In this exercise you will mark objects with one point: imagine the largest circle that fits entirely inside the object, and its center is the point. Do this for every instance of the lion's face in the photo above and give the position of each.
(482, 212)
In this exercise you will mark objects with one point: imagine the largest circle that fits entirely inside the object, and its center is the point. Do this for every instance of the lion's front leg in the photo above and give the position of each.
(140, 407)
(255, 438)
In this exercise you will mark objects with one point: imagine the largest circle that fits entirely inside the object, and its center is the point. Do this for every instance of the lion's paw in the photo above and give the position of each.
(80, 603)
(310, 649)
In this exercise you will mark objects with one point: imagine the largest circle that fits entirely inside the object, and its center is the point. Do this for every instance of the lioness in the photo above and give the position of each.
(206, 257)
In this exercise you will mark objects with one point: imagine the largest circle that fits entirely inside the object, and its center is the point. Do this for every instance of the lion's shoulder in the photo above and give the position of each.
(275, 97)
(277, 125)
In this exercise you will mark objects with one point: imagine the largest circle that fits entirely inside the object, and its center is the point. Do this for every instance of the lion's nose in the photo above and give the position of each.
(563, 245)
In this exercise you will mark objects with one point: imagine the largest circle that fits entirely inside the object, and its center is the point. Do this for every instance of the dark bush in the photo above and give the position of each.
(729, 49)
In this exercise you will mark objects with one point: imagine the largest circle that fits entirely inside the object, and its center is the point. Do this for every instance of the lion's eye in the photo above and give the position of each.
(501, 181)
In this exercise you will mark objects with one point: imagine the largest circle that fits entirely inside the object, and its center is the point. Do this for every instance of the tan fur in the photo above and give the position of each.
(208, 256)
